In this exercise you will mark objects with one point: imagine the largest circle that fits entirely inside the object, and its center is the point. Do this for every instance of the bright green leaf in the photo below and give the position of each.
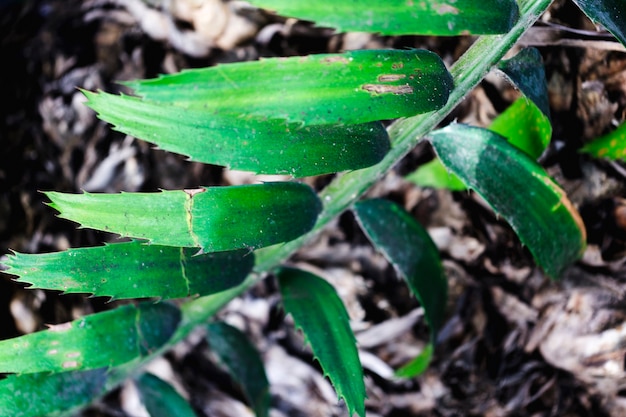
(518, 189)
(161, 399)
(350, 88)
(435, 174)
(611, 146)
(318, 311)
(43, 394)
(409, 248)
(526, 71)
(213, 218)
(609, 13)
(525, 127)
(243, 362)
(418, 365)
(100, 340)
(441, 18)
(263, 147)
(133, 270)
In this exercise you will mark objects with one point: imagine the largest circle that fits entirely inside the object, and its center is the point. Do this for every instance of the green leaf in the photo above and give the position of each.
(100, 340)
(263, 147)
(611, 146)
(526, 71)
(212, 218)
(350, 88)
(161, 399)
(609, 13)
(435, 174)
(525, 127)
(318, 311)
(43, 394)
(133, 270)
(418, 365)
(518, 189)
(442, 18)
(243, 362)
(409, 248)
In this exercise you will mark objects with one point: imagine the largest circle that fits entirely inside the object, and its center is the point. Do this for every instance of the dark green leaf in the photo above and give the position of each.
(442, 18)
(213, 218)
(409, 248)
(133, 270)
(160, 399)
(350, 88)
(518, 189)
(435, 174)
(243, 362)
(609, 13)
(103, 339)
(610, 146)
(263, 147)
(318, 311)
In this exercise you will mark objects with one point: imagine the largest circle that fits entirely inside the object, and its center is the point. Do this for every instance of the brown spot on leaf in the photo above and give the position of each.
(333, 59)
(193, 191)
(393, 89)
(384, 78)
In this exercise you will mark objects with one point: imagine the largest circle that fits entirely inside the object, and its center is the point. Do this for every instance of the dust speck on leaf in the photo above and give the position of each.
(393, 89)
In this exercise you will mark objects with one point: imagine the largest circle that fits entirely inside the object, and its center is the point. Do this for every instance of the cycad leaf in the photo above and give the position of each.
(518, 189)
(100, 340)
(161, 399)
(43, 394)
(609, 13)
(133, 270)
(243, 362)
(610, 146)
(213, 218)
(441, 18)
(318, 311)
(263, 147)
(525, 127)
(435, 174)
(350, 88)
(418, 365)
(527, 72)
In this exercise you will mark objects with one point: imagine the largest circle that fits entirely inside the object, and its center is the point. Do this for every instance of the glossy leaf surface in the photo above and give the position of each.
(161, 399)
(133, 270)
(610, 146)
(213, 218)
(442, 18)
(518, 189)
(260, 146)
(243, 362)
(99, 340)
(319, 312)
(350, 88)
(409, 248)
(609, 13)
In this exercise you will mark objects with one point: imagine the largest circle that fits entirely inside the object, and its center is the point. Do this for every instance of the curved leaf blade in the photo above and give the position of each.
(133, 270)
(260, 146)
(319, 312)
(350, 88)
(409, 248)
(243, 362)
(610, 13)
(213, 218)
(434, 174)
(518, 189)
(442, 18)
(610, 146)
(161, 399)
(100, 340)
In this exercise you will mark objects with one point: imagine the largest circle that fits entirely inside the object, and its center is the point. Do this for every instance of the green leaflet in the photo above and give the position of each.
(525, 127)
(610, 13)
(350, 88)
(161, 399)
(100, 340)
(435, 174)
(611, 146)
(418, 365)
(318, 311)
(213, 218)
(243, 362)
(518, 189)
(43, 394)
(264, 147)
(133, 270)
(409, 248)
(441, 18)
